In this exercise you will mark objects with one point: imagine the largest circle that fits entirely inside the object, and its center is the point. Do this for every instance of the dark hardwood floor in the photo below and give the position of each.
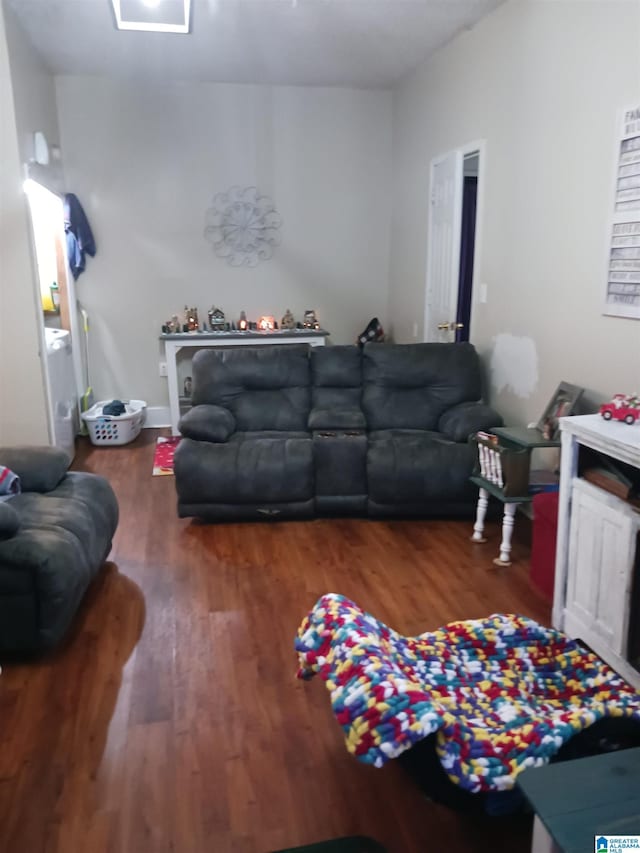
(171, 719)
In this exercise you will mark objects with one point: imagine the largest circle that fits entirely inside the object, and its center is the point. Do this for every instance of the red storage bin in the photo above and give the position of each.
(543, 546)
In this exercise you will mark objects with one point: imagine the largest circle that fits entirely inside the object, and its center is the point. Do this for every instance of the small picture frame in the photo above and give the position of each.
(562, 404)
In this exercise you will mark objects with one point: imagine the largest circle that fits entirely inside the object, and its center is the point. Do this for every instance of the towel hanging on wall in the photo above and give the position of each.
(80, 239)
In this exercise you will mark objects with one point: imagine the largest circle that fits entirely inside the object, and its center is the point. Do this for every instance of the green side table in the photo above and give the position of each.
(578, 803)
(505, 476)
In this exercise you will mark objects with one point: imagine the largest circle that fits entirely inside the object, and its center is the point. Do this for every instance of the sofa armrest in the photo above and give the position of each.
(207, 423)
(337, 418)
(40, 468)
(459, 422)
(9, 520)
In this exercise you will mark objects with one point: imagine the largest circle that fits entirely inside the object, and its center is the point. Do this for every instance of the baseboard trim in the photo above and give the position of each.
(157, 416)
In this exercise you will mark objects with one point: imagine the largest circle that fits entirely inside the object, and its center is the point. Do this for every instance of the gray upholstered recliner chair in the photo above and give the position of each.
(247, 451)
(291, 432)
(54, 537)
(421, 404)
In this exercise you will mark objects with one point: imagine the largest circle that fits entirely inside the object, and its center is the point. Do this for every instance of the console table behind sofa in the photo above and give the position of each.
(202, 340)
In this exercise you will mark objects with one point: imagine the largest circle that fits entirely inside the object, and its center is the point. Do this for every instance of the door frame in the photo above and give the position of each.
(70, 299)
(479, 146)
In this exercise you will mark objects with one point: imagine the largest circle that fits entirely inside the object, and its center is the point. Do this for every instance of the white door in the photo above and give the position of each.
(443, 247)
(602, 541)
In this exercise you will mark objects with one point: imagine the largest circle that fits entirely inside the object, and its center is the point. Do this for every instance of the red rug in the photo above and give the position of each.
(163, 458)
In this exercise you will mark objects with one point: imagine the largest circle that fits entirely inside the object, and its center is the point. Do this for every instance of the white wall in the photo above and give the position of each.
(542, 82)
(146, 161)
(22, 399)
(34, 96)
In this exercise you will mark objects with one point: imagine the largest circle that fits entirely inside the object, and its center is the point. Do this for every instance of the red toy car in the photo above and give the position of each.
(623, 407)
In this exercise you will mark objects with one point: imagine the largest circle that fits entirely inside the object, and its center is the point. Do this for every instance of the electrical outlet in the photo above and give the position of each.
(483, 292)
(163, 368)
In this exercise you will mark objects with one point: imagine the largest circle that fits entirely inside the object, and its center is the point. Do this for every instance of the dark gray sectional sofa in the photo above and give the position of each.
(54, 537)
(291, 432)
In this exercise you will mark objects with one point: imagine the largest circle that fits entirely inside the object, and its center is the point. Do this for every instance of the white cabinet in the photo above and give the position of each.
(602, 547)
(597, 542)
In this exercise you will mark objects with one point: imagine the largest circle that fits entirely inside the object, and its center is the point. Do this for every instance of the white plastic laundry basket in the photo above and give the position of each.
(115, 429)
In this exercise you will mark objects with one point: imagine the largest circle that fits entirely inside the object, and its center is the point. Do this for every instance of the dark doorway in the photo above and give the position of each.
(467, 246)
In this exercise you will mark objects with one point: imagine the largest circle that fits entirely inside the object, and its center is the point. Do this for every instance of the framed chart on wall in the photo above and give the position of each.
(623, 273)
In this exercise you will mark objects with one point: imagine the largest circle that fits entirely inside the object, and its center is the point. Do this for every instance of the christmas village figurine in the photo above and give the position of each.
(172, 326)
(191, 319)
(242, 322)
(310, 320)
(216, 319)
(288, 321)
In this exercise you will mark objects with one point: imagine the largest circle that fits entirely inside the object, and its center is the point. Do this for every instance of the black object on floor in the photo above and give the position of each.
(421, 762)
(353, 844)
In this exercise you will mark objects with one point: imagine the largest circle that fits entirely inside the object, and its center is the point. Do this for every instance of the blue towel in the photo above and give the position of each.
(75, 256)
(9, 483)
(114, 408)
(76, 223)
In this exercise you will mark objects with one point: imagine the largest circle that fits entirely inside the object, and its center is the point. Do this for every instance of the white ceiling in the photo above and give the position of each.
(367, 43)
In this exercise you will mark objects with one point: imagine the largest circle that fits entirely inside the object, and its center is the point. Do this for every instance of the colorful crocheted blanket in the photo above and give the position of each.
(503, 693)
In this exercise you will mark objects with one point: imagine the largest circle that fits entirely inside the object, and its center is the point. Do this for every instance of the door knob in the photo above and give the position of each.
(450, 327)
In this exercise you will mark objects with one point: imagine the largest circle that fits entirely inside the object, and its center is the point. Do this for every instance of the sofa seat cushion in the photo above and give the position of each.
(246, 470)
(340, 462)
(64, 537)
(382, 434)
(341, 418)
(239, 437)
(405, 467)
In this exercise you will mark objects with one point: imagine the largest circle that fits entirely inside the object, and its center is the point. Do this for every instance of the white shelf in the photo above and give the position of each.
(596, 551)
(613, 438)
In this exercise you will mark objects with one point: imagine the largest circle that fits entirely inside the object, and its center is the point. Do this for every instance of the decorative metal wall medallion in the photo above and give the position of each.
(243, 226)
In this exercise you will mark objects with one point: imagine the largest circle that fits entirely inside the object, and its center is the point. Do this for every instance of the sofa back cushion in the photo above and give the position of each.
(336, 377)
(410, 386)
(264, 387)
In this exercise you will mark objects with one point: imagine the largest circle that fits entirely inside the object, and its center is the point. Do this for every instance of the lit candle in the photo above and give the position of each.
(266, 323)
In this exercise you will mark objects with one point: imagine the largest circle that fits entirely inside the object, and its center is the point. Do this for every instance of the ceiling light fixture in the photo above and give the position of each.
(175, 16)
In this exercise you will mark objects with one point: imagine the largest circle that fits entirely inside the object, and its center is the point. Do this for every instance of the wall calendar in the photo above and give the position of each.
(623, 280)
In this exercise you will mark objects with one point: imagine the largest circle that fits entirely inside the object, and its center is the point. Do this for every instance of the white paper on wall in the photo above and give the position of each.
(623, 279)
